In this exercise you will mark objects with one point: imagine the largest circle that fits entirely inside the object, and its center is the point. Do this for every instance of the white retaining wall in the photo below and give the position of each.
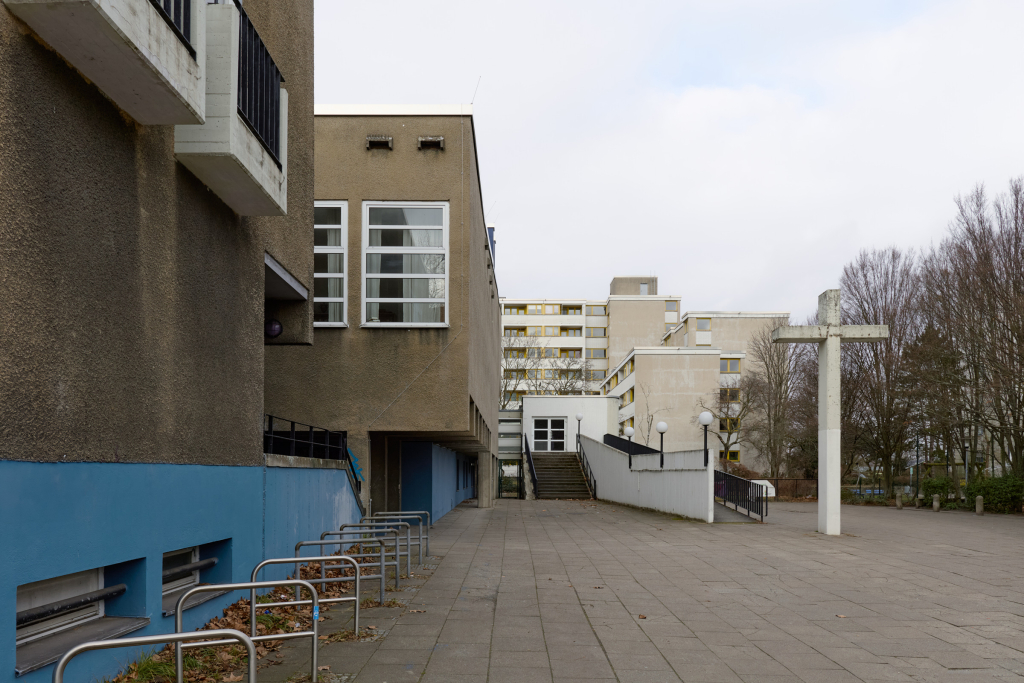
(684, 487)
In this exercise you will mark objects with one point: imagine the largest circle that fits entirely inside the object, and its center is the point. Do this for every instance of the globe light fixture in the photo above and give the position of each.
(662, 428)
(705, 419)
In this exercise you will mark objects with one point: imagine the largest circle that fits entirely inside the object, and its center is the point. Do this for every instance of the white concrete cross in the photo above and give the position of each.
(827, 336)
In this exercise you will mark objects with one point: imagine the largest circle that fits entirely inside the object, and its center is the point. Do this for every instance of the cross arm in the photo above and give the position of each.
(805, 334)
(864, 333)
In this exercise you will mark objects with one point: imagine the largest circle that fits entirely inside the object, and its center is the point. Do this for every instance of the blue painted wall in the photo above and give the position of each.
(433, 478)
(57, 519)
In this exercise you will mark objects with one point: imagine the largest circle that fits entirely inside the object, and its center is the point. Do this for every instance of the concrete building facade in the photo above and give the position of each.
(144, 255)
(407, 320)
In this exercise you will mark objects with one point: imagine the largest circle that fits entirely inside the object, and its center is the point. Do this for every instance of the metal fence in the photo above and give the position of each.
(588, 473)
(259, 87)
(178, 15)
(794, 488)
(529, 461)
(742, 493)
(288, 437)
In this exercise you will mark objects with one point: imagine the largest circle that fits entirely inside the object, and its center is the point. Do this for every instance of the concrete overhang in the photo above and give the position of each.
(279, 283)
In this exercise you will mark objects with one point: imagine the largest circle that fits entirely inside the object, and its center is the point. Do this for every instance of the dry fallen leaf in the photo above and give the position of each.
(323, 637)
(232, 679)
(642, 616)
(598, 586)
(372, 627)
(419, 611)
(325, 667)
(841, 616)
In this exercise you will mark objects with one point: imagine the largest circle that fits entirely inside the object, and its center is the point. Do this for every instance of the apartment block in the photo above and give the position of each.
(566, 346)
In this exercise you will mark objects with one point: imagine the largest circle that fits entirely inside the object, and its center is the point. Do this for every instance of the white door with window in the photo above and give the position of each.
(548, 434)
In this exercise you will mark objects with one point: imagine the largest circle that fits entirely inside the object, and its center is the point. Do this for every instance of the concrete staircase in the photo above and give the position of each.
(559, 476)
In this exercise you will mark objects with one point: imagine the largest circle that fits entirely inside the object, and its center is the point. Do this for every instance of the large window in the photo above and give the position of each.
(515, 310)
(597, 332)
(597, 353)
(548, 434)
(330, 284)
(597, 310)
(405, 281)
(729, 365)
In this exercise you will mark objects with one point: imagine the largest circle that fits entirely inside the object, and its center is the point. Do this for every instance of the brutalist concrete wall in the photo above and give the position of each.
(437, 384)
(132, 296)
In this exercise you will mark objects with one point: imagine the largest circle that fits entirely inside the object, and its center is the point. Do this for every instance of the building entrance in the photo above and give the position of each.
(510, 479)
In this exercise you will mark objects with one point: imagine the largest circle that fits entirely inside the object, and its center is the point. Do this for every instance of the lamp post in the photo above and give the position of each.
(662, 428)
(917, 470)
(705, 419)
(579, 420)
(629, 432)
(967, 470)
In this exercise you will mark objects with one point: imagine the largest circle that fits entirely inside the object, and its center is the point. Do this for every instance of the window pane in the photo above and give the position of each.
(327, 237)
(327, 215)
(404, 288)
(390, 215)
(333, 287)
(670, 305)
(332, 312)
(406, 238)
(398, 312)
(558, 424)
(412, 264)
(703, 323)
(328, 263)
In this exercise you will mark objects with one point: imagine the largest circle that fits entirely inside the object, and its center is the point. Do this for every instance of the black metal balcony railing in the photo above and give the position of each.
(742, 493)
(529, 463)
(287, 437)
(259, 87)
(588, 473)
(178, 15)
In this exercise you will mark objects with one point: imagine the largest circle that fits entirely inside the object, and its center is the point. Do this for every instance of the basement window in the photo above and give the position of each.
(54, 605)
(183, 569)
(430, 142)
(379, 142)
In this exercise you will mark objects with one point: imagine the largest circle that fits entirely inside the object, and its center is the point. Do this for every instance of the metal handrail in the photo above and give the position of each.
(628, 447)
(322, 559)
(226, 634)
(259, 88)
(251, 586)
(741, 493)
(52, 609)
(588, 473)
(305, 442)
(529, 460)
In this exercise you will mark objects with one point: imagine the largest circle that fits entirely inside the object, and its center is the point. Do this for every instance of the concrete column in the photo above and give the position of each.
(979, 505)
(485, 473)
(935, 502)
(829, 466)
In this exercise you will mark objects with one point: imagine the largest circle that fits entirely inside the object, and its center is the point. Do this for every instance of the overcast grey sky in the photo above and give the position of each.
(743, 152)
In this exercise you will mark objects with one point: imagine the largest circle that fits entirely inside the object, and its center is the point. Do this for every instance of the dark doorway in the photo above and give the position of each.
(510, 479)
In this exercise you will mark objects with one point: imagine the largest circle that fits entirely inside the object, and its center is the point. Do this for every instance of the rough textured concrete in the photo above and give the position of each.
(554, 590)
(388, 384)
(133, 297)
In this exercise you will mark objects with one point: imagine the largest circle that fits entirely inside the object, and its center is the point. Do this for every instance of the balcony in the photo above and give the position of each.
(147, 56)
(241, 152)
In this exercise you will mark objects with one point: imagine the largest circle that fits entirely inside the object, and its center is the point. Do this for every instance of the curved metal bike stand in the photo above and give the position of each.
(229, 635)
(358, 537)
(251, 586)
(418, 516)
(322, 559)
(398, 550)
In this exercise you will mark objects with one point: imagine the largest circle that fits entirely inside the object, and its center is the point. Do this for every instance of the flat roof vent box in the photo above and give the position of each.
(379, 142)
(430, 142)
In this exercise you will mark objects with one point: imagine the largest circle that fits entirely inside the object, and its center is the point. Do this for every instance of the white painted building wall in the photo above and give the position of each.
(684, 487)
(600, 415)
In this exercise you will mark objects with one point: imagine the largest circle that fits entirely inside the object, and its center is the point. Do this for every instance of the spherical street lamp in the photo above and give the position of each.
(662, 428)
(579, 420)
(629, 432)
(705, 419)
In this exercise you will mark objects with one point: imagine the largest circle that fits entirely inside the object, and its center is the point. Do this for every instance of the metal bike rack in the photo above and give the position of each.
(418, 516)
(226, 634)
(398, 550)
(322, 559)
(251, 586)
(382, 562)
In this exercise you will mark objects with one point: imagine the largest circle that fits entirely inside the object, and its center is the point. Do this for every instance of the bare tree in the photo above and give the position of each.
(519, 360)
(568, 374)
(645, 420)
(730, 407)
(883, 288)
(770, 395)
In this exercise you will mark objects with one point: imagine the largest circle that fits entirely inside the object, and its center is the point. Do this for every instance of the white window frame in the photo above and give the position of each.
(59, 588)
(548, 429)
(367, 249)
(343, 250)
(186, 581)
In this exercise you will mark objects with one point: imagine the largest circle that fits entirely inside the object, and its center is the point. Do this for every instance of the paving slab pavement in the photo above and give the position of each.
(555, 591)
